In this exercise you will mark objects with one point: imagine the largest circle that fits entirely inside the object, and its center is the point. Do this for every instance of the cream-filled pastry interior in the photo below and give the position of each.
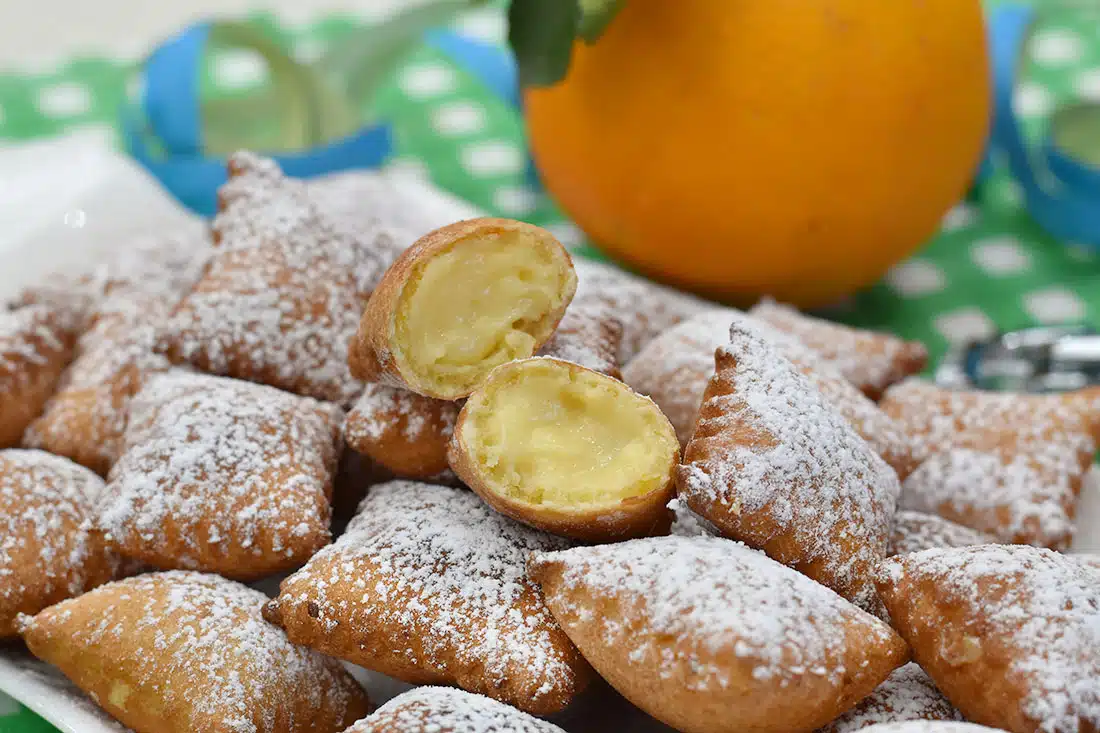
(547, 433)
(486, 301)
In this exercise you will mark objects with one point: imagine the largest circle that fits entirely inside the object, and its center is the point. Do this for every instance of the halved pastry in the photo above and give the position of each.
(1007, 464)
(47, 553)
(34, 349)
(907, 694)
(223, 475)
(182, 652)
(403, 431)
(428, 585)
(447, 710)
(568, 450)
(1010, 634)
(774, 465)
(710, 636)
(870, 360)
(281, 296)
(461, 301)
(916, 531)
(589, 334)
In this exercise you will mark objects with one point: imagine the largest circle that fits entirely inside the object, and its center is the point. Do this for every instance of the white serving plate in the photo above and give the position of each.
(43, 186)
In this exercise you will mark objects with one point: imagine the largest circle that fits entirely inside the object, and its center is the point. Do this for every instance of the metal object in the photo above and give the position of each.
(1055, 359)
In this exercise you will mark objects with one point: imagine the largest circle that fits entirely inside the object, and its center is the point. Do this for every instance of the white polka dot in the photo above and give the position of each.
(458, 118)
(7, 706)
(239, 69)
(963, 215)
(1054, 305)
(515, 200)
(916, 278)
(965, 324)
(484, 25)
(1032, 100)
(1000, 256)
(567, 233)
(309, 49)
(1087, 84)
(64, 100)
(492, 158)
(427, 80)
(1056, 47)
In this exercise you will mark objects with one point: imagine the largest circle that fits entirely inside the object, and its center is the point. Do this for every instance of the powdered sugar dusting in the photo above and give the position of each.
(929, 726)
(590, 334)
(711, 596)
(770, 452)
(686, 523)
(283, 294)
(437, 567)
(222, 474)
(447, 710)
(907, 694)
(916, 531)
(381, 408)
(1043, 610)
(198, 643)
(28, 337)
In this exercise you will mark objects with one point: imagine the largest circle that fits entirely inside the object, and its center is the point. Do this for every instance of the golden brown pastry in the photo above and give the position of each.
(223, 475)
(447, 710)
(182, 652)
(567, 450)
(460, 301)
(870, 360)
(34, 350)
(1010, 634)
(590, 335)
(710, 636)
(1007, 464)
(405, 432)
(428, 585)
(281, 296)
(47, 553)
(907, 694)
(916, 531)
(774, 465)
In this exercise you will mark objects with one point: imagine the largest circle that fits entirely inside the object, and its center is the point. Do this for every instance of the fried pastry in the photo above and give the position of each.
(180, 652)
(567, 450)
(34, 350)
(282, 293)
(1007, 464)
(47, 553)
(590, 335)
(447, 710)
(907, 694)
(223, 475)
(774, 465)
(405, 432)
(1010, 634)
(870, 360)
(709, 636)
(428, 585)
(462, 300)
(916, 531)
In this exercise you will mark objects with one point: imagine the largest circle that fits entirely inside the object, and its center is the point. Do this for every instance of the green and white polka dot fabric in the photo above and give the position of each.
(990, 268)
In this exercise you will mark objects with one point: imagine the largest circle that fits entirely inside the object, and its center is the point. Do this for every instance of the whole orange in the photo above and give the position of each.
(796, 148)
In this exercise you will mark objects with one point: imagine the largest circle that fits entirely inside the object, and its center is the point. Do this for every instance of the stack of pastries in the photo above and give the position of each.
(577, 492)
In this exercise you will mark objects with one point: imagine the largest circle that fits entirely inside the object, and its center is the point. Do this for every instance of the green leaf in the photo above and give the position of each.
(596, 15)
(541, 34)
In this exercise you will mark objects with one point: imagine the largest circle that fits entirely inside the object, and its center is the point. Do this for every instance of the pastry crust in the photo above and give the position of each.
(223, 476)
(590, 335)
(47, 553)
(774, 465)
(182, 652)
(495, 289)
(870, 360)
(916, 531)
(34, 350)
(447, 710)
(428, 585)
(1007, 464)
(1011, 634)
(567, 450)
(907, 694)
(405, 432)
(704, 634)
(281, 296)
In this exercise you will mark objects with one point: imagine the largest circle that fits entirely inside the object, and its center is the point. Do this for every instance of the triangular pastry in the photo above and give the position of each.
(448, 710)
(774, 465)
(590, 335)
(916, 531)
(428, 585)
(34, 350)
(907, 694)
